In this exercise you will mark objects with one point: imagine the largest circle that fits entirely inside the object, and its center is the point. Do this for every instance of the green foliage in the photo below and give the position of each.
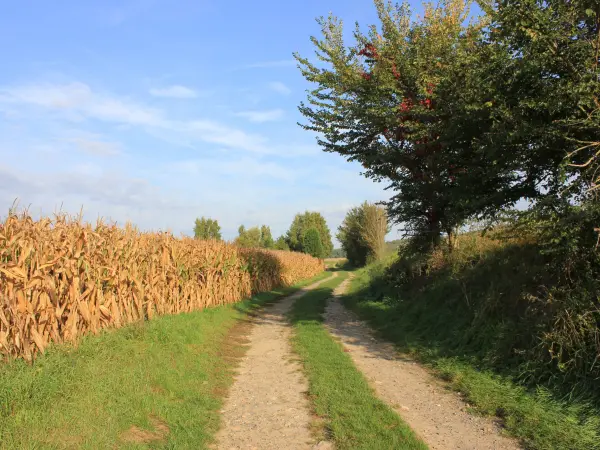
(311, 243)
(303, 222)
(176, 368)
(206, 228)
(337, 253)
(489, 318)
(462, 119)
(248, 238)
(281, 244)
(362, 234)
(266, 239)
(567, 237)
(548, 90)
(254, 237)
(410, 103)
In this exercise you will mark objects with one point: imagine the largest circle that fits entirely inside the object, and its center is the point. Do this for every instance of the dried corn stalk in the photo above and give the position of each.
(61, 278)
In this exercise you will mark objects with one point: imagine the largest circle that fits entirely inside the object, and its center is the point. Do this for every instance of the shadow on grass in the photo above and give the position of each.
(487, 311)
(480, 322)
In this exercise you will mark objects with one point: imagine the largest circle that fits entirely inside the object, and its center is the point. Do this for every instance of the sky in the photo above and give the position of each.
(157, 112)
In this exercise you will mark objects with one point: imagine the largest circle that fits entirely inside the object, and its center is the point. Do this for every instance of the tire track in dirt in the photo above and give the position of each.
(267, 406)
(436, 414)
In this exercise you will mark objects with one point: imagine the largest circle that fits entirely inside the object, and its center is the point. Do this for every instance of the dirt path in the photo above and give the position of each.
(436, 414)
(266, 407)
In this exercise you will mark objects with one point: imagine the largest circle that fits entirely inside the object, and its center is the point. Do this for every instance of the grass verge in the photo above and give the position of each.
(352, 416)
(157, 384)
(536, 417)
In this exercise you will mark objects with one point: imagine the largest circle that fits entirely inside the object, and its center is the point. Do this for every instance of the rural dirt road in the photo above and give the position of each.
(436, 414)
(267, 407)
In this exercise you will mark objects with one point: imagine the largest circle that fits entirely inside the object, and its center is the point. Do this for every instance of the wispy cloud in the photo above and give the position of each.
(215, 133)
(175, 91)
(243, 167)
(270, 64)
(79, 101)
(279, 87)
(262, 116)
(97, 148)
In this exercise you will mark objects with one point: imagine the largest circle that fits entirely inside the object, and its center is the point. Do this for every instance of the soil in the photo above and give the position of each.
(267, 406)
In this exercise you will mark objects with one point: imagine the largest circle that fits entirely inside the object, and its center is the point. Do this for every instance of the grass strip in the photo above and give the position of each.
(537, 418)
(157, 384)
(347, 407)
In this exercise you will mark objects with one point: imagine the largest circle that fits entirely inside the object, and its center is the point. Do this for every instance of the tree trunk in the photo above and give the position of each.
(436, 234)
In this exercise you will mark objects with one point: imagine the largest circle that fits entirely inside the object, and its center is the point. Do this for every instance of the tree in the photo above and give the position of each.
(301, 224)
(374, 227)
(255, 237)
(281, 244)
(266, 239)
(349, 236)
(550, 89)
(206, 228)
(337, 253)
(362, 234)
(311, 243)
(248, 238)
(410, 102)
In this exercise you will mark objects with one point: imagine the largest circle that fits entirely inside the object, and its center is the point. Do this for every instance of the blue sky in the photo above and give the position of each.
(158, 112)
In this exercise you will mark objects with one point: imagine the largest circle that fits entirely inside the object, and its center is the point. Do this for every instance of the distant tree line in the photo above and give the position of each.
(308, 233)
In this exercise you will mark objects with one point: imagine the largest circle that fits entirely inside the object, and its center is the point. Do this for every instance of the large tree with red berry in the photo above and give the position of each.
(412, 101)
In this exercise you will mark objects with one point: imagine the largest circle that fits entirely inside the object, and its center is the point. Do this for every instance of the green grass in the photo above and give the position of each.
(349, 411)
(535, 416)
(173, 370)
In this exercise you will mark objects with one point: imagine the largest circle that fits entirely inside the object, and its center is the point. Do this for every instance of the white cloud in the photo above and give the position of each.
(79, 98)
(215, 133)
(280, 88)
(82, 182)
(242, 167)
(175, 91)
(246, 190)
(97, 148)
(231, 174)
(262, 116)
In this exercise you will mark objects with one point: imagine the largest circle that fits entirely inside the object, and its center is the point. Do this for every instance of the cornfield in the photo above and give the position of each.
(62, 278)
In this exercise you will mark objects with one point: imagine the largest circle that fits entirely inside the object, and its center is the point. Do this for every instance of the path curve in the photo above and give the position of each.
(267, 406)
(436, 414)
